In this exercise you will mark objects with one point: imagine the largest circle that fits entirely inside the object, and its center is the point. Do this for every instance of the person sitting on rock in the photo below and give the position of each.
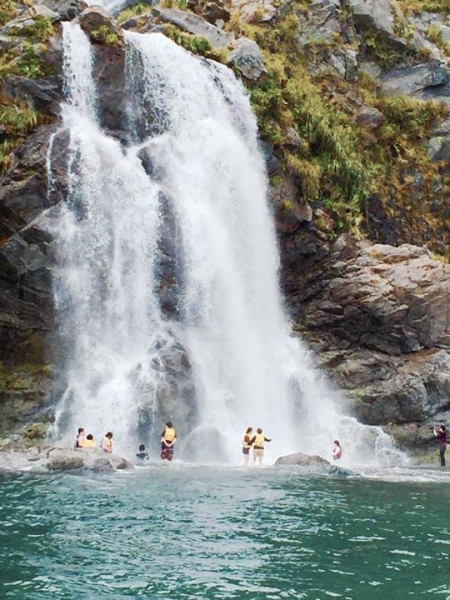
(168, 439)
(106, 443)
(337, 450)
(258, 446)
(89, 442)
(80, 438)
(142, 454)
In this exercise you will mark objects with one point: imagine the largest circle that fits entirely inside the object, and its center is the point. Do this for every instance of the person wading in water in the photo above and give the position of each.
(441, 436)
(168, 439)
(246, 445)
(258, 446)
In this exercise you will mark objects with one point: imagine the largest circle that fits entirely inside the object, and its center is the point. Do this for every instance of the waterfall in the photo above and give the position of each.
(181, 211)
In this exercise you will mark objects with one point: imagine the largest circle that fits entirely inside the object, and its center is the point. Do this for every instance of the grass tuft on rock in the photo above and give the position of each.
(105, 36)
(40, 30)
(8, 10)
(194, 43)
(135, 10)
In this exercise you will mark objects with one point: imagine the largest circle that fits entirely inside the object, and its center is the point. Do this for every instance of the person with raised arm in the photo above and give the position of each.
(258, 442)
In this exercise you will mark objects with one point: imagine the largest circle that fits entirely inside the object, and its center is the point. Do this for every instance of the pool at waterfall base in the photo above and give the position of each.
(184, 531)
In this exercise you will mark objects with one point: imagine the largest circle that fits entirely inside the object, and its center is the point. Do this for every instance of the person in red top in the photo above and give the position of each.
(337, 450)
(441, 436)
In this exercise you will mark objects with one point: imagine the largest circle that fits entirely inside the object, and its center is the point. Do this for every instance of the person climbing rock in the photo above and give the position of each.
(142, 454)
(81, 436)
(246, 445)
(257, 442)
(106, 443)
(441, 435)
(337, 450)
(89, 442)
(168, 439)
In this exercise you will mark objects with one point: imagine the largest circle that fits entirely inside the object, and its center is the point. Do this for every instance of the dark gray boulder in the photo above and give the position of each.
(247, 58)
(302, 460)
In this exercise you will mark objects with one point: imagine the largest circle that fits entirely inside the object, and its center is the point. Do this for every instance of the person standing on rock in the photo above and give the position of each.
(80, 438)
(106, 443)
(89, 442)
(257, 442)
(441, 436)
(168, 439)
(246, 445)
(337, 450)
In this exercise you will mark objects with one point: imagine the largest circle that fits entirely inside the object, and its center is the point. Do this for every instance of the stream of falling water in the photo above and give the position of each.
(202, 157)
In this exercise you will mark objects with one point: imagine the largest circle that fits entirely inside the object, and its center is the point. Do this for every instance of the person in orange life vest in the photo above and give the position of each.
(257, 442)
(337, 450)
(246, 445)
(80, 438)
(168, 439)
(106, 443)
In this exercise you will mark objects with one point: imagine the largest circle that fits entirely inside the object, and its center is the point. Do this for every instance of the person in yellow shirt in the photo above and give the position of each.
(168, 439)
(258, 441)
(89, 442)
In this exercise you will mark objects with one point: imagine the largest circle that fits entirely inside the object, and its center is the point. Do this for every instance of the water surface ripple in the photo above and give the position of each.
(198, 532)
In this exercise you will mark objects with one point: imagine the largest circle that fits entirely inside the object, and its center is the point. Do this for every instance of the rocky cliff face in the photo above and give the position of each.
(358, 159)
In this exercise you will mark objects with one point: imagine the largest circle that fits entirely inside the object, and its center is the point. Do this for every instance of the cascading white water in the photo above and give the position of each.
(246, 366)
(106, 245)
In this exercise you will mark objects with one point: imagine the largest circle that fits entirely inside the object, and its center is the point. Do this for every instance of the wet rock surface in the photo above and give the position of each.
(313, 463)
(54, 458)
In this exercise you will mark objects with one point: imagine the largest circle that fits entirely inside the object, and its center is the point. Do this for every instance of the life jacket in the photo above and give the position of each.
(88, 444)
(107, 444)
(169, 434)
(259, 441)
(246, 441)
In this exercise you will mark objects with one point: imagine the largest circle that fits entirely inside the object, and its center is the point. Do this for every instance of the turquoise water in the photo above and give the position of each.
(195, 532)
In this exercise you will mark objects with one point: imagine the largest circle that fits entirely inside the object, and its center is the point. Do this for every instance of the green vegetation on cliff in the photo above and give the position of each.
(24, 60)
(8, 10)
(40, 30)
(420, 6)
(338, 163)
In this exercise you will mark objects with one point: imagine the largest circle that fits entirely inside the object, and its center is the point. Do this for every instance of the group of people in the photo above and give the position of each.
(256, 441)
(85, 442)
(250, 441)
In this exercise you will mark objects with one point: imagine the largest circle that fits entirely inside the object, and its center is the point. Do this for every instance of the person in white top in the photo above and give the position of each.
(106, 443)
